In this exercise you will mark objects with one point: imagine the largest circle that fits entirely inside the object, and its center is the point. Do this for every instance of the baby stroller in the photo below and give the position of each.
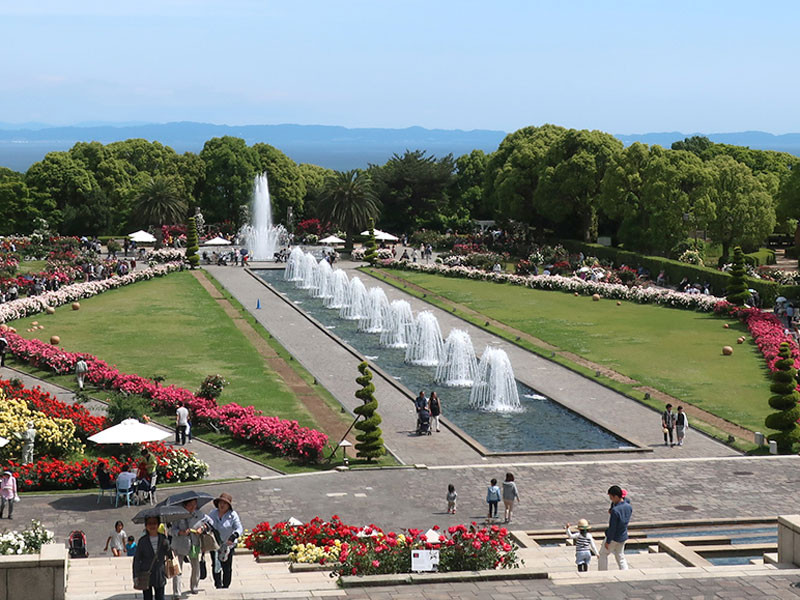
(424, 422)
(77, 545)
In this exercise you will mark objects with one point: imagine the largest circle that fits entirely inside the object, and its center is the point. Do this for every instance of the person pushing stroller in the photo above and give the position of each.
(423, 415)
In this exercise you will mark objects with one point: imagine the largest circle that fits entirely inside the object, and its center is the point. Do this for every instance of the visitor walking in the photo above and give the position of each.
(117, 540)
(81, 368)
(584, 545)
(28, 442)
(3, 350)
(130, 547)
(436, 410)
(681, 425)
(510, 495)
(181, 422)
(421, 402)
(668, 424)
(152, 550)
(228, 527)
(452, 498)
(617, 532)
(492, 499)
(186, 544)
(8, 493)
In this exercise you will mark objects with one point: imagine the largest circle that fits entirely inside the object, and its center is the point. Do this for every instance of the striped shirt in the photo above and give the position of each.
(584, 542)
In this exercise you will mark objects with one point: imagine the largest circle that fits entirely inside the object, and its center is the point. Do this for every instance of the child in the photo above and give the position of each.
(492, 498)
(452, 495)
(130, 547)
(117, 540)
(584, 545)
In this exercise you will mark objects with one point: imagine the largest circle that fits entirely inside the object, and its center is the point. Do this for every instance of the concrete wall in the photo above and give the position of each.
(789, 540)
(40, 576)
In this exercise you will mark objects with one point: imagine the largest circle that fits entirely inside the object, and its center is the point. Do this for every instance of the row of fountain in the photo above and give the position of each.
(491, 378)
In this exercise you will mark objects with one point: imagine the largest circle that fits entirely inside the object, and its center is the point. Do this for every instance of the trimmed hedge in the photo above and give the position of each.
(764, 256)
(676, 271)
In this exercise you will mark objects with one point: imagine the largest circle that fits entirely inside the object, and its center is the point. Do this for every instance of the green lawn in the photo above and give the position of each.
(676, 351)
(171, 327)
(31, 266)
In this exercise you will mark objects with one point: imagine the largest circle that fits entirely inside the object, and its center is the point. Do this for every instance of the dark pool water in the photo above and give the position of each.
(541, 425)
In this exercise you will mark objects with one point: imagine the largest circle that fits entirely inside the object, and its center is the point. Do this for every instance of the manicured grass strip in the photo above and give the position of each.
(31, 266)
(615, 336)
(170, 327)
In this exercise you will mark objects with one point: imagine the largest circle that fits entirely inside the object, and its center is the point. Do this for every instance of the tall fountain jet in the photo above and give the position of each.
(458, 366)
(426, 346)
(261, 238)
(294, 265)
(308, 272)
(376, 312)
(338, 290)
(400, 327)
(495, 389)
(322, 280)
(355, 304)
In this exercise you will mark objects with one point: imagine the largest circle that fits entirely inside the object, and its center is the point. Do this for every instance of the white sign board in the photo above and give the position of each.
(424, 560)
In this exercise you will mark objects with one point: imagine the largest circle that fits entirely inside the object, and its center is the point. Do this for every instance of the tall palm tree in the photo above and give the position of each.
(159, 203)
(348, 201)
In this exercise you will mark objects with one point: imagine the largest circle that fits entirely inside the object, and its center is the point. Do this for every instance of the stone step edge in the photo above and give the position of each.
(350, 581)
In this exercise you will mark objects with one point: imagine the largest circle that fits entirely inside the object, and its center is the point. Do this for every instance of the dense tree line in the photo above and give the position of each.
(557, 181)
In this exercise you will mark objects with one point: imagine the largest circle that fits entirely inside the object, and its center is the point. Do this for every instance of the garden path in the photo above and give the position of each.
(328, 359)
(222, 464)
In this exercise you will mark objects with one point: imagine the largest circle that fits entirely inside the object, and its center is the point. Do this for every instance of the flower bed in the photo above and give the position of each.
(642, 295)
(370, 551)
(28, 541)
(174, 465)
(283, 437)
(54, 437)
(165, 255)
(23, 307)
(86, 424)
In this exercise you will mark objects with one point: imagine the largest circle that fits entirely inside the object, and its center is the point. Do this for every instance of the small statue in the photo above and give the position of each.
(199, 222)
(28, 439)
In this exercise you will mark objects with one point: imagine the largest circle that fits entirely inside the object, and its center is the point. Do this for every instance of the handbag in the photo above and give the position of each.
(203, 567)
(141, 581)
(208, 543)
(16, 498)
(172, 566)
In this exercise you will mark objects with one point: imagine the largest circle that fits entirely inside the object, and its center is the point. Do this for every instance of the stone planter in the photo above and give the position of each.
(42, 575)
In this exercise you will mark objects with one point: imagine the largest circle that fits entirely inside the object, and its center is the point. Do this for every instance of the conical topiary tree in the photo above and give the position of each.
(192, 245)
(370, 442)
(737, 287)
(784, 400)
(370, 247)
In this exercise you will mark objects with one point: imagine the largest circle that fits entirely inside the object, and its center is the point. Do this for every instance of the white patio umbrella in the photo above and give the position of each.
(130, 431)
(142, 237)
(331, 239)
(382, 236)
(217, 241)
(3, 441)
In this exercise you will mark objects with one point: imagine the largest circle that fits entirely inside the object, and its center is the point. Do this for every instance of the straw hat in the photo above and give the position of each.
(583, 524)
(224, 496)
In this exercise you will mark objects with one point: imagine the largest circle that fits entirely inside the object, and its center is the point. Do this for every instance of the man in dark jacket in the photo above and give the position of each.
(617, 532)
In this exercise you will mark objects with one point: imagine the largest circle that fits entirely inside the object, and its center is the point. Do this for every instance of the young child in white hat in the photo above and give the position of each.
(584, 545)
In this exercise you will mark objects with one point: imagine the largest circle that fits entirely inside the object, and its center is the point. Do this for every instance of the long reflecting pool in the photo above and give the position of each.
(541, 425)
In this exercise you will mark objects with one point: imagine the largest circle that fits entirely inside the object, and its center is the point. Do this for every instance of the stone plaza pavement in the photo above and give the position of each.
(327, 359)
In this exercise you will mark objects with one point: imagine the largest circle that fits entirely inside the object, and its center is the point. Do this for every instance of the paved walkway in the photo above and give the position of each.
(327, 360)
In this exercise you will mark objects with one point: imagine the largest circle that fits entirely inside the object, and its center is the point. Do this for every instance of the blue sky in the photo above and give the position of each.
(623, 67)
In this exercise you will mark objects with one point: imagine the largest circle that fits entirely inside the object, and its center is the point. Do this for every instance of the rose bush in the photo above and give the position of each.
(28, 541)
(54, 437)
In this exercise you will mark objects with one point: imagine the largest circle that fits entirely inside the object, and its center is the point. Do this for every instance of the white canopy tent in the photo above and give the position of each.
(217, 241)
(382, 236)
(331, 239)
(142, 237)
(130, 431)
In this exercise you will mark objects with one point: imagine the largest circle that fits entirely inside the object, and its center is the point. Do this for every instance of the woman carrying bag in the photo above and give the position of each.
(152, 552)
(186, 543)
(228, 527)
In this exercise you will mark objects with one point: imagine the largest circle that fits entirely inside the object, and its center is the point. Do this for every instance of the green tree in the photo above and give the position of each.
(412, 190)
(737, 287)
(512, 172)
(370, 246)
(348, 202)
(569, 184)
(466, 193)
(314, 177)
(192, 246)
(18, 209)
(744, 212)
(158, 203)
(287, 188)
(370, 442)
(784, 400)
(230, 169)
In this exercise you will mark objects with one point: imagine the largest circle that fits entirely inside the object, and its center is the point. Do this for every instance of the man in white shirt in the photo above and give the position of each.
(181, 421)
(125, 479)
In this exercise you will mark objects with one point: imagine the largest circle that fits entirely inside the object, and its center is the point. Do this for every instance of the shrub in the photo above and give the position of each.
(28, 541)
(212, 387)
(192, 244)
(123, 406)
(370, 247)
(737, 288)
(784, 400)
(691, 257)
(370, 442)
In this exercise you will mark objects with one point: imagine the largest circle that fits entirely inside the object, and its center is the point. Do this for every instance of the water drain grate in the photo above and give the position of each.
(686, 507)
(742, 472)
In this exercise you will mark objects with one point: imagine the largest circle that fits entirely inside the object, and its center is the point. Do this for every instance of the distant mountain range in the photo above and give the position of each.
(328, 146)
